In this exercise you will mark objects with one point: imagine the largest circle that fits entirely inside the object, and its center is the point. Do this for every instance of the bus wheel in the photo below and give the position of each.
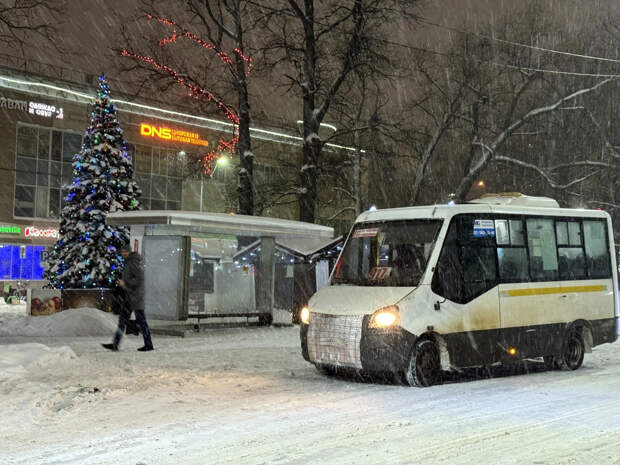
(424, 367)
(573, 352)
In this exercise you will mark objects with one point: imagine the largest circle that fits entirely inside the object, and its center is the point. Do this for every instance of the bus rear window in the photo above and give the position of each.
(390, 253)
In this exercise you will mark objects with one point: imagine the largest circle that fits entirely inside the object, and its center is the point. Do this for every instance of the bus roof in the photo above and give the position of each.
(449, 210)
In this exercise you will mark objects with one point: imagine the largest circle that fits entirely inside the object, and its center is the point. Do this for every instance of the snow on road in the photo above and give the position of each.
(246, 396)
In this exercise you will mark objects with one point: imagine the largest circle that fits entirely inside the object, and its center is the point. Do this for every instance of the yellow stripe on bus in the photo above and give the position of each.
(552, 290)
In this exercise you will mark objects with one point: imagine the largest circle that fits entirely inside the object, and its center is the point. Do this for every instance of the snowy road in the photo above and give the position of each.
(246, 396)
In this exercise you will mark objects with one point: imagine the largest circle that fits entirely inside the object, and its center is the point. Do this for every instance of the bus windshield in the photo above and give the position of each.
(388, 253)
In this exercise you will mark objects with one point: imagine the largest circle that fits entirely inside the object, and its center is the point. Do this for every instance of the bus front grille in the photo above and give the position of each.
(335, 339)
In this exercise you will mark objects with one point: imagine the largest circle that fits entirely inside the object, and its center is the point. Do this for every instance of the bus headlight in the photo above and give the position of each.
(304, 316)
(385, 317)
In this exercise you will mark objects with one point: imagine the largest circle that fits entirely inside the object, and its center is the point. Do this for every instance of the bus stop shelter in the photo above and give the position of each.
(192, 267)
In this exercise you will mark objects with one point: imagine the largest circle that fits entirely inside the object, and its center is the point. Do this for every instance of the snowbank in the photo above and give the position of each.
(18, 360)
(74, 322)
(13, 309)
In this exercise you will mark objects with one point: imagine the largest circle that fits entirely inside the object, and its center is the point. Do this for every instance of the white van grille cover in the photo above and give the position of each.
(335, 339)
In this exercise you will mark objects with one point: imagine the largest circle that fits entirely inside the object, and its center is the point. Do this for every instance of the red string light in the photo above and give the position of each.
(222, 145)
(185, 33)
(195, 91)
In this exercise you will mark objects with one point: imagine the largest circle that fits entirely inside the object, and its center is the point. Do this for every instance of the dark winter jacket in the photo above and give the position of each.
(133, 275)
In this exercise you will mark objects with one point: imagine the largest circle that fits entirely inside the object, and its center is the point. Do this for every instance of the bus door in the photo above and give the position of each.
(530, 290)
(585, 269)
(466, 278)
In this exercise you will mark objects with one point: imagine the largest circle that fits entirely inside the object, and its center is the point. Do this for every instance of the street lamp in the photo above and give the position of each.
(221, 161)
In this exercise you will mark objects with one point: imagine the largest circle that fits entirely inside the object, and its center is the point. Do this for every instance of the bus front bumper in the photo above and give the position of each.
(341, 343)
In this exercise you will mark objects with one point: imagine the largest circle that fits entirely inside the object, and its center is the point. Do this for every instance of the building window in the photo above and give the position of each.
(43, 170)
(159, 173)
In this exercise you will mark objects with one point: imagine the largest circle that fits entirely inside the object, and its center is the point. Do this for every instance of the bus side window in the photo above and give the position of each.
(571, 261)
(597, 250)
(466, 267)
(542, 248)
(512, 264)
(511, 253)
(479, 271)
(448, 276)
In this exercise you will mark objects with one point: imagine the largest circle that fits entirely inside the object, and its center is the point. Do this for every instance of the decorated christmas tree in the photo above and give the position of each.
(87, 254)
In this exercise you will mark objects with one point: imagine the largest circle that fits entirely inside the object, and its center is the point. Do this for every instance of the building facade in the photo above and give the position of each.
(42, 122)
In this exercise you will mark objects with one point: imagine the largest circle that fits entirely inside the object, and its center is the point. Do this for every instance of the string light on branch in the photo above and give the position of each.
(223, 146)
(195, 91)
(185, 33)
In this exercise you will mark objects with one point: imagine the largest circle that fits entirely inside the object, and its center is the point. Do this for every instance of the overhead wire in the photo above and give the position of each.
(519, 44)
(525, 68)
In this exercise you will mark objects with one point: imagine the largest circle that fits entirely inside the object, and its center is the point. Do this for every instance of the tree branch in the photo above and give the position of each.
(546, 177)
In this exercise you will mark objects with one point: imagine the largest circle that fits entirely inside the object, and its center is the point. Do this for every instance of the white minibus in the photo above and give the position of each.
(419, 291)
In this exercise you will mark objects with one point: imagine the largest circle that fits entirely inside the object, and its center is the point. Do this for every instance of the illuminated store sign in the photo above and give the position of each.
(42, 109)
(175, 135)
(6, 229)
(34, 108)
(33, 231)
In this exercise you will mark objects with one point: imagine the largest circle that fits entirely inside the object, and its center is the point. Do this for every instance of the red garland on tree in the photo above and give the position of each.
(194, 90)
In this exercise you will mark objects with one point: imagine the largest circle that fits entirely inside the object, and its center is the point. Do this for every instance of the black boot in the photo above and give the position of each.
(145, 348)
(112, 347)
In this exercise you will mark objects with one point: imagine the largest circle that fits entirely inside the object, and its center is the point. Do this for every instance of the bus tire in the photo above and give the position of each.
(424, 368)
(572, 351)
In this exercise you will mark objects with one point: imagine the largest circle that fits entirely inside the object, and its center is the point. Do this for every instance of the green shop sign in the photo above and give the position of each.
(4, 229)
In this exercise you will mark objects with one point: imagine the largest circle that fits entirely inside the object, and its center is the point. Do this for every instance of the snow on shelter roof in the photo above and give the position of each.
(301, 247)
(222, 223)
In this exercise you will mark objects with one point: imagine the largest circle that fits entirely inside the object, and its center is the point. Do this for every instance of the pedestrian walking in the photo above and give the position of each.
(132, 284)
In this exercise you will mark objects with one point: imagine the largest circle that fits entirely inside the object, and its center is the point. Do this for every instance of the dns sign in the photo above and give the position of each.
(162, 133)
(175, 135)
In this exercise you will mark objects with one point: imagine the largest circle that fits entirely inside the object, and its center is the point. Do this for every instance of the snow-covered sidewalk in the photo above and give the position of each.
(246, 396)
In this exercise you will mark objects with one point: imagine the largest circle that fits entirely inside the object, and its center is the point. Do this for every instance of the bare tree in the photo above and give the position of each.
(223, 25)
(227, 17)
(441, 107)
(488, 150)
(362, 111)
(323, 47)
(23, 21)
(507, 105)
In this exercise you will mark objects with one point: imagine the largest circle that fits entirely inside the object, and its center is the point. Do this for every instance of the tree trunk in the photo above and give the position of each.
(357, 175)
(245, 189)
(308, 174)
(312, 142)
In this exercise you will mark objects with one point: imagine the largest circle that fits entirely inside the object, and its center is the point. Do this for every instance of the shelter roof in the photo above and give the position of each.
(223, 223)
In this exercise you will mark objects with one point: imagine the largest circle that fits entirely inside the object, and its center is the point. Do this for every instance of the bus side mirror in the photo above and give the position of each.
(437, 305)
